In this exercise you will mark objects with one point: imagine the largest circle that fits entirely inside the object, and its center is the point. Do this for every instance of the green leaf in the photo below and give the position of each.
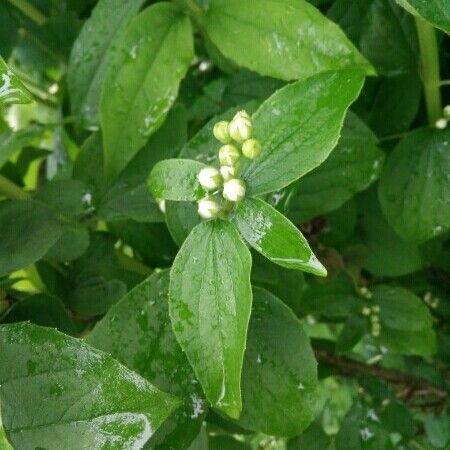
(226, 443)
(181, 218)
(176, 179)
(138, 333)
(279, 377)
(12, 89)
(210, 302)
(93, 52)
(142, 85)
(90, 400)
(28, 229)
(313, 438)
(271, 234)
(287, 39)
(42, 309)
(352, 166)
(355, 327)
(414, 188)
(437, 12)
(406, 323)
(298, 127)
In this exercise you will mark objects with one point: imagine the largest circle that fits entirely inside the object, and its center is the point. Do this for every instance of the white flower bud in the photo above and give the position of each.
(229, 155)
(240, 128)
(243, 114)
(209, 178)
(440, 124)
(161, 205)
(447, 112)
(251, 148)
(365, 311)
(220, 132)
(208, 208)
(228, 172)
(234, 190)
(376, 309)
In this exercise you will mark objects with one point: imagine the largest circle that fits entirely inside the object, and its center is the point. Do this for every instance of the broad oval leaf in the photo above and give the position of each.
(298, 127)
(93, 52)
(274, 236)
(414, 187)
(142, 85)
(90, 400)
(210, 303)
(279, 377)
(352, 166)
(287, 39)
(137, 331)
(176, 179)
(436, 12)
(28, 229)
(12, 89)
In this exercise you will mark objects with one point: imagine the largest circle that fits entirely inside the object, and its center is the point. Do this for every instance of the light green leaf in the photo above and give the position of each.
(298, 127)
(28, 229)
(142, 85)
(271, 234)
(414, 188)
(352, 166)
(12, 89)
(90, 400)
(279, 377)
(287, 39)
(138, 333)
(176, 179)
(437, 12)
(210, 302)
(93, 52)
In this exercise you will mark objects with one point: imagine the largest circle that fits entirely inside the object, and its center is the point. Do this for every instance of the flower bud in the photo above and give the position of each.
(209, 178)
(251, 148)
(161, 205)
(234, 190)
(220, 132)
(228, 172)
(365, 311)
(229, 155)
(208, 208)
(440, 124)
(240, 128)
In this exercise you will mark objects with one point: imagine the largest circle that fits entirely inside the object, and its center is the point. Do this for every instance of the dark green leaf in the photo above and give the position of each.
(226, 443)
(89, 399)
(355, 327)
(352, 166)
(143, 83)
(298, 127)
(313, 438)
(287, 39)
(176, 179)
(210, 302)
(271, 234)
(137, 331)
(28, 229)
(279, 377)
(414, 188)
(93, 52)
(181, 218)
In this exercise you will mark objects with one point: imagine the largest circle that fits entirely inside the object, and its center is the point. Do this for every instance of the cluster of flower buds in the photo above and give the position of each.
(442, 123)
(373, 313)
(432, 302)
(236, 137)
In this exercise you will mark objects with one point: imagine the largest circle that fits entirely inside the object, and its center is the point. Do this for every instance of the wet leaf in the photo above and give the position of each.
(210, 301)
(89, 399)
(12, 90)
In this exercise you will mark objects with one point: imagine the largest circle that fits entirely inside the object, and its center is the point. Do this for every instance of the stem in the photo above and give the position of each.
(30, 11)
(429, 61)
(193, 9)
(11, 190)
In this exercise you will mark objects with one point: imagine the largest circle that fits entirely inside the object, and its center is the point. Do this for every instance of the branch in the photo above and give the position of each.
(414, 385)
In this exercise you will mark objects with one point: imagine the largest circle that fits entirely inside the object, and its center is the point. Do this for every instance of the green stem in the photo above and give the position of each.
(10, 190)
(429, 59)
(30, 11)
(193, 9)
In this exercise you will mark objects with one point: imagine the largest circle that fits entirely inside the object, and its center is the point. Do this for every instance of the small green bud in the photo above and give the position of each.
(220, 132)
(228, 172)
(240, 128)
(234, 190)
(376, 309)
(251, 148)
(209, 178)
(374, 318)
(229, 155)
(208, 208)
(365, 311)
